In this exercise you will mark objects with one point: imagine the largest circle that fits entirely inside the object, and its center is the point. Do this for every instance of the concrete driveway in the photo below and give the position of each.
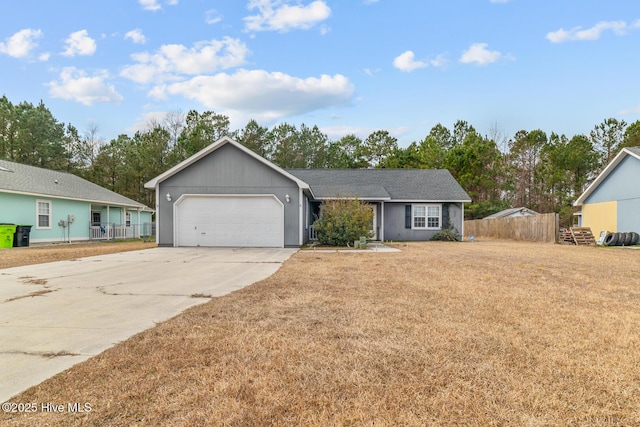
(55, 315)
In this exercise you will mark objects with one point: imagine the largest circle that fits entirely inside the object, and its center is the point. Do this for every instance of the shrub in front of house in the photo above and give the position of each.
(343, 221)
(446, 235)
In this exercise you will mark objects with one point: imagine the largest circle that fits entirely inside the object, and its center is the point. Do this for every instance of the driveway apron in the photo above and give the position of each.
(55, 315)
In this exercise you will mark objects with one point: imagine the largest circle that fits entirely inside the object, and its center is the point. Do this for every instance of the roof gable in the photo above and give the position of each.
(384, 184)
(613, 164)
(211, 149)
(18, 178)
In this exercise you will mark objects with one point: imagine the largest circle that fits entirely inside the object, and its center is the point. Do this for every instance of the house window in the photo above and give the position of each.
(96, 217)
(419, 216)
(43, 213)
(127, 217)
(426, 217)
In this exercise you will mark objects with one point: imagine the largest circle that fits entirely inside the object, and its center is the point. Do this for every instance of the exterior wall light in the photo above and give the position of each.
(168, 197)
(287, 198)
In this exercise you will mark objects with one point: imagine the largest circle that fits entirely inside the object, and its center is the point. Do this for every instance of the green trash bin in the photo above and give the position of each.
(6, 235)
(21, 236)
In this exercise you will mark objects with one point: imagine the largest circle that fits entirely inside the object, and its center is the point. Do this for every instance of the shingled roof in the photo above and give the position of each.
(383, 184)
(25, 179)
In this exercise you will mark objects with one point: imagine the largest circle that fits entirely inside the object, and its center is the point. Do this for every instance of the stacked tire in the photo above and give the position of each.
(622, 239)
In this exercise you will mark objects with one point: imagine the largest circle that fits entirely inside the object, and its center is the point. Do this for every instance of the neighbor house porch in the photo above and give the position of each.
(118, 222)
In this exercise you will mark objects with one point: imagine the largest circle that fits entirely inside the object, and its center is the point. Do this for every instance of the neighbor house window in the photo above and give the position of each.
(96, 217)
(127, 217)
(426, 217)
(43, 213)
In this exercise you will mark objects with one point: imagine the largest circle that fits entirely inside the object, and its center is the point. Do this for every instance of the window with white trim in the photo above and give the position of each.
(127, 219)
(426, 217)
(43, 214)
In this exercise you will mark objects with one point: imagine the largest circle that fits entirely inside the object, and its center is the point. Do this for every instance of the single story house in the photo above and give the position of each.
(512, 212)
(227, 195)
(62, 207)
(612, 201)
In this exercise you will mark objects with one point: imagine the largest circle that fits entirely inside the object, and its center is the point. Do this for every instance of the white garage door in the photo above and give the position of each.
(238, 220)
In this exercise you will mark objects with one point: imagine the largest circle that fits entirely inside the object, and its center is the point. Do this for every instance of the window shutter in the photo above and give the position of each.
(445, 215)
(407, 216)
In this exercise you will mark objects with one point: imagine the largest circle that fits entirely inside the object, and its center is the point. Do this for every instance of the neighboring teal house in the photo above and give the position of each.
(62, 207)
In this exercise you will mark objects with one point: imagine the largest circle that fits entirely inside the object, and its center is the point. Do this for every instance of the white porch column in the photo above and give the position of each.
(462, 232)
(382, 221)
(300, 217)
(139, 225)
(157, 215)
(108, 224)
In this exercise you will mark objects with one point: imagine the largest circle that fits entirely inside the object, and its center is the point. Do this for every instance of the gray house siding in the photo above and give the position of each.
(228, 170)
(621, 184)
(394, 221)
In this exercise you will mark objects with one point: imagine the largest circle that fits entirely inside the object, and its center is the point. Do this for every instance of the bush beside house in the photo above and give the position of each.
(343, 221)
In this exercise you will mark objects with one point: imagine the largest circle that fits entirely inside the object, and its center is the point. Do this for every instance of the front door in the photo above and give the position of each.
(374, 222)
(95, 218)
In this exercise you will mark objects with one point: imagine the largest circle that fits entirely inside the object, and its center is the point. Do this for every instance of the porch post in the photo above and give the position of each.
(462, 232)
(381, 221)
(157, 215)
(138, 232)
(300, 217)
(108, 224)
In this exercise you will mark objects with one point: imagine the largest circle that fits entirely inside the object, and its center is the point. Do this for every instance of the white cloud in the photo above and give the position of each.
(634, 110)
(265, 95)
(150, 4)
(136, 36)
(154, 5)
(370, 1)
(369, 72)
(619, 28)
(21, 43)
(277, 15)
(480, 55)
(75, 85)
(406, 62)
(44, 56)
(439, 61)
(171, 61)
(79, 43)
(212, 17)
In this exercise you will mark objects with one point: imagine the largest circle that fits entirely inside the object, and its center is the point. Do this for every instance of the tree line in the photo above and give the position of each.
(544, 172)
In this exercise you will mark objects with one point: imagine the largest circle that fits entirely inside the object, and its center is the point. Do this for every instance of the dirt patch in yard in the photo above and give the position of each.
(15, 257)
(442, 334)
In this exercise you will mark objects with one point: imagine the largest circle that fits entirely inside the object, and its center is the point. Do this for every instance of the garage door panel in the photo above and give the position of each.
(248, 221)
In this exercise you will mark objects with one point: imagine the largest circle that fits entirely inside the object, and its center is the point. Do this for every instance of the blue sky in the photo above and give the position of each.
(348, 66)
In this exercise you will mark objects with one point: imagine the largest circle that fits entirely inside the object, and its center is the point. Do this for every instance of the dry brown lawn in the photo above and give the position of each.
(15, 257)
(475, 334)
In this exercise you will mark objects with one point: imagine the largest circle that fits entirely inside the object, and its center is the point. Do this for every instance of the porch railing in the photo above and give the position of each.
(312, 233)
(112, 231)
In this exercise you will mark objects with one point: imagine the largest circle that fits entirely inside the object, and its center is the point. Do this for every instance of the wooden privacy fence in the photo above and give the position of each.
(534, 228)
